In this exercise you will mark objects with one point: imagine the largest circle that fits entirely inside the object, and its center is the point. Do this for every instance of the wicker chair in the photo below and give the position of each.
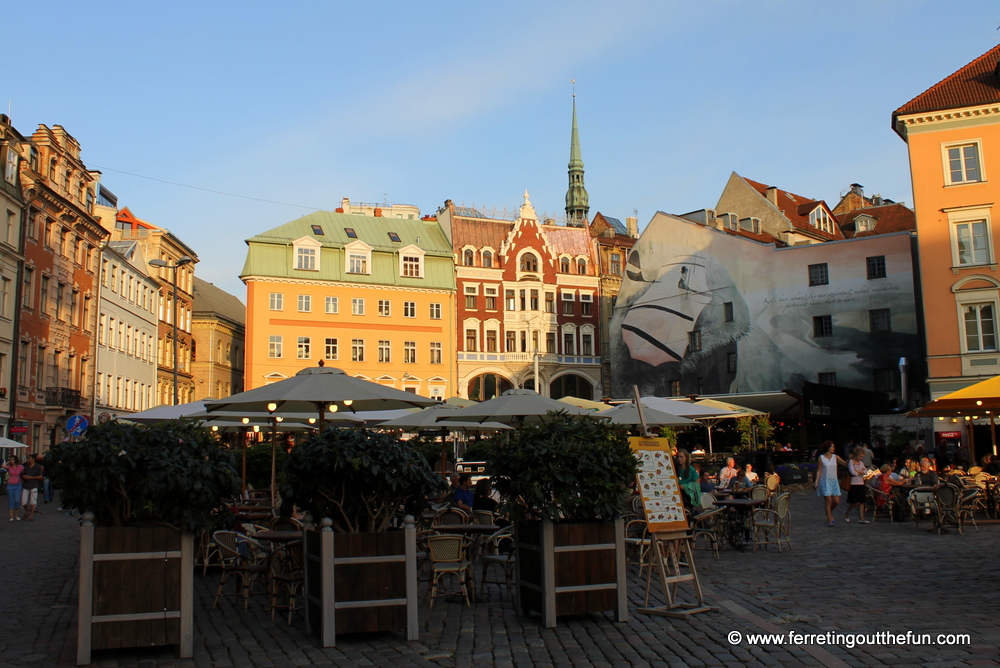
(450, 516)
(705, 524)
(285, 524)
(448, 555)
(970, 500)
(773, 483)
(922, 505)
(243, 557)
(485, 517)
(498, 551)
(760, 493)
(637, 543)
(946, 504)
(770, 524)
(881, 503)
(285, 572)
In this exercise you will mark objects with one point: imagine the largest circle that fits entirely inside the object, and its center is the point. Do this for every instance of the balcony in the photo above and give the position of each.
(62, 396)
(528, 358)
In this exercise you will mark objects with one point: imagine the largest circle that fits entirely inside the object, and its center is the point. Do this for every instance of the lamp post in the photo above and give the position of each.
(180, 262)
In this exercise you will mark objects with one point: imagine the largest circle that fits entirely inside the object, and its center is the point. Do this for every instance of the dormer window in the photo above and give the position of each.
(411, 262)
(487, 259)
(564, 265)
(864, 224)
(306, 250)
(358, 263)
(411, 266)
(819, 218)
(529, 262)
(468, 257)
(581, 266)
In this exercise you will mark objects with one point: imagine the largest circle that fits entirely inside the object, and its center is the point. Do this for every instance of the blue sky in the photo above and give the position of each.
(418, 102)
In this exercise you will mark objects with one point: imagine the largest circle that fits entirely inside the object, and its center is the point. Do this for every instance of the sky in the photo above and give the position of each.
(304, 103)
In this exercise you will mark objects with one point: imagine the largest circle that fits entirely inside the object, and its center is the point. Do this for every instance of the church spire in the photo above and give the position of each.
(577, 200)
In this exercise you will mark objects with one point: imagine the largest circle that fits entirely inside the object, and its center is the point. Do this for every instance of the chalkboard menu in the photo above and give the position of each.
(662, 496)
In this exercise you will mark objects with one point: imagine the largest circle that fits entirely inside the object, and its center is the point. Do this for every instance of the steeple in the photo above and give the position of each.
(577, 200)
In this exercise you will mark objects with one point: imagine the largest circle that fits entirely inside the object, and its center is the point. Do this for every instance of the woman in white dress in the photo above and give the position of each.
(826, 477)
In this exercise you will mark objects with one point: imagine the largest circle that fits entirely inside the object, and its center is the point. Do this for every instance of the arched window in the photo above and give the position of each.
(487, 259)
(228, 351)
(581, 266)
(571, 385)
(564, 265)
(529, 262)
(488, 386)
(469, 258)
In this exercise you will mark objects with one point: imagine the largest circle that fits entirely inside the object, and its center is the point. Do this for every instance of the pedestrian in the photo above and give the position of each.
(856, 494)
(868, 457)
(32, 477)
(826, 482)
(14, 470)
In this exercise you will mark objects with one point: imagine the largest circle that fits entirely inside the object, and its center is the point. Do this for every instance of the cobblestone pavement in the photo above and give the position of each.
(847, 579)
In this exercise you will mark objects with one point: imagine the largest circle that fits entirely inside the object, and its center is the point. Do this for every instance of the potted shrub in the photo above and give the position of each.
(145, 492)
(358, 480)
(566, 481)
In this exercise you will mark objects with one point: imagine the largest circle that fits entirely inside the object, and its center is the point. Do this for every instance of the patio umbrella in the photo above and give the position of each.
(694, 410)
(460, 402)
(979, 398)
(165, 413)
(584, 403)
(737, 411)
(629, 414)
(8, 443)
(514, 407)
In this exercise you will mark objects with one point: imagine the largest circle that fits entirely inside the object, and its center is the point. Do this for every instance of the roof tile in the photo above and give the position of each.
(976, 83)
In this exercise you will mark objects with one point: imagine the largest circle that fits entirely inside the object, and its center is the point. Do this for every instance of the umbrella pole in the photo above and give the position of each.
(444, 453)
(243, 445)
(322, 414)
(274, 450)
(993, 434)
(708, 428)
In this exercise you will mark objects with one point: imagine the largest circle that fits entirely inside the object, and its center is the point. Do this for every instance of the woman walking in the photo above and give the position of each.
(856, 494)
(13, 487)
(826, 478)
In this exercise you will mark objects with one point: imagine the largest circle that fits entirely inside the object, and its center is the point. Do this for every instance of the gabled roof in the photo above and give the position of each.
(480, 233)
(570, 240)
(975, 84)
(796, 209)
(210, 299)
(889, 218)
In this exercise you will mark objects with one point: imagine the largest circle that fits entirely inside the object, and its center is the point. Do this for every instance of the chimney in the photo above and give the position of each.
(772, 195)
(858, 189)
(632, 226)
(377, 212)
(877, 200)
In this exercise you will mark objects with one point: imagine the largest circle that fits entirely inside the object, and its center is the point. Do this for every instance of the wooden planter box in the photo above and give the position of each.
(361, 582)
(136, 588)
(571, 569)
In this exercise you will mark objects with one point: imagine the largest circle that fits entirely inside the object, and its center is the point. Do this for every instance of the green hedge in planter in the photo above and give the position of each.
(358, 478)
(569, 467)
(175, 474)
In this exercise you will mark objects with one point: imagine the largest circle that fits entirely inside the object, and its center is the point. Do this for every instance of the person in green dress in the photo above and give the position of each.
(687, 475)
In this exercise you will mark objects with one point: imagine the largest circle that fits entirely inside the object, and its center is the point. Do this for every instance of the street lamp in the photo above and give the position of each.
(183, 260)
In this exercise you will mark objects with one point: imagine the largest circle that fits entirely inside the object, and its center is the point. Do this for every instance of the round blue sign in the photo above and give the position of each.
(77, 424)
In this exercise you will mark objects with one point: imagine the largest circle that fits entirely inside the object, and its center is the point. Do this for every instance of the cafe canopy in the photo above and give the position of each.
(981, 399)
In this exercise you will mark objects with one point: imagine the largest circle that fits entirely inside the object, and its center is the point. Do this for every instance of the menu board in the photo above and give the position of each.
(658, 485)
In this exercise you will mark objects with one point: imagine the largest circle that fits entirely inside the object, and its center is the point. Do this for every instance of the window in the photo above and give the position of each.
(435, 311)
(277, 301)
(411, 266)
(357, 306)
(59, 301)
(305, 258)
(534, 300)
(550, 302)
(616, 264)
(567, 304)
(491, 299)
(819, 274)
(581, 266)
(330, 349)
(468, 258)
(564, 265)
(357, 350)
(435, 353)
(880, 320)
(731, 362)
(274, 346)
(973, 243)
(694, 341)
(384, 351)
(586, 302)
(550, 342)
(383, 308)
(822, 325)
(4, 296)
(351, 234)
(510, 342)
(524, 300)
(317, 230)
(29, 287)
(586, 344)
(876, 266)
(675, 388)
(529, 262)
(509, 299)
(358, 263)
(727, 311)
(885, 380)
(305, 303)
(470, 301)
(332, 305)
(818, 218)
(409, 352)
(569, 347)
(963, 163)
(534, 342)
(470, 340)
(409, 309)
(980, 327)
(491, 340)
(487, 259)
(304, 345)
(394, 237)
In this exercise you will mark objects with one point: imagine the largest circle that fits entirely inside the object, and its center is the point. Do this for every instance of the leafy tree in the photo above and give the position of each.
(175, 474)
(259, 464)
(358, 478)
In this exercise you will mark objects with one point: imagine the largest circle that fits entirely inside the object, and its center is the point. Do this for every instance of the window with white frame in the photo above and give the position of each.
(972, 242)
(384, 351)
(435, 353)
(357, 306)
(274, 346)
(384, 308)
(487, 259)
(409, 352)
(586, 304)
(821, 219)
(471, 296)
(304, 348)
(586, 344)
(980, 327)
(409, 309)
(962, 163)
(332, 305)
(357, 350)
(276, 301)
(305, 258)
(330, 349)
(435, 311)
(491, 298)
(357, 263)
(305, 303)
(567, 299)
(411, 266)
(569, 343)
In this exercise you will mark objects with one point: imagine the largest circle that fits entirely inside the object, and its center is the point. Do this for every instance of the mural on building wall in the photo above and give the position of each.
(702, 311)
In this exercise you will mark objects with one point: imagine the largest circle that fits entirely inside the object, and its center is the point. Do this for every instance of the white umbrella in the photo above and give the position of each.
(165, 413)
(8, 443)
(629, 414)
(692, 410)
(514, 407)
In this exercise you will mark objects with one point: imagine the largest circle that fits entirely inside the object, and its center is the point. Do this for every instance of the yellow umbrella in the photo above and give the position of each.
(584, 403)
(980, 398)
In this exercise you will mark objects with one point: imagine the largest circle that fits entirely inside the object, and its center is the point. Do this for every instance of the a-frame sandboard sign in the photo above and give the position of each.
(670, 550)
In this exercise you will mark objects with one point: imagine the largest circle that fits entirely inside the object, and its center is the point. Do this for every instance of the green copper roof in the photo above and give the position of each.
(575, 158)
(577, 199)
(271, 254)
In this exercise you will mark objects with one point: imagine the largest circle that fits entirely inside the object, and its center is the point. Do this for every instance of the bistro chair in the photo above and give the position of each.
(970, 500)
(206, 552)
(946, 505)
(922, 505)
(498, 551)
(705, 524)
(770, 524)
(448, 555)
(637, 543)
(450, 516)
(485, 517)
(772, 482)
(285, 574)
(285, 524)
(242, 557)
(707, 501)
(880, 503)
(975, 469)
(759, 493)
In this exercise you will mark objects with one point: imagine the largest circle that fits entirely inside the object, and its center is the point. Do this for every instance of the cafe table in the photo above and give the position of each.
(285, 536)
(737, 522)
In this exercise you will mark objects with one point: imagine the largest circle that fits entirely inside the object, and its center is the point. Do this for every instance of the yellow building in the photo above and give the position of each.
(370, 295)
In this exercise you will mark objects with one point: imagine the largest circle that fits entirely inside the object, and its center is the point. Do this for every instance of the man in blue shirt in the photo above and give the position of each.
(464, 495)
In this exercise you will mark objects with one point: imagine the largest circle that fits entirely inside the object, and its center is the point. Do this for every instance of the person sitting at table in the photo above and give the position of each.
(706, 482)
(727, 472)
(925, 477)
(740, 480)
(464, 497)
(749, 473)
(687, 476)
(991, 465)
(483, 499)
